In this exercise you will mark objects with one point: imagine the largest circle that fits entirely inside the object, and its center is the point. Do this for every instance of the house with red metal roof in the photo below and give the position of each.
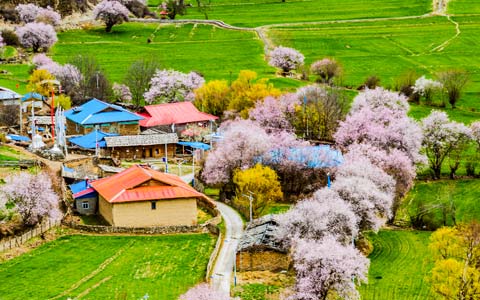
(142, 197)
(173, 117)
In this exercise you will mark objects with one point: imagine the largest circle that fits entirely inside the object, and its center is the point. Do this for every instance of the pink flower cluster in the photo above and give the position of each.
(286, 58)
(68, 75)
(31, 13)
(122, 92)
(37, 36)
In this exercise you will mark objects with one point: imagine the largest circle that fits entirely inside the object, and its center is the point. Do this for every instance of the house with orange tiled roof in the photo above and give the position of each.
(142, 197)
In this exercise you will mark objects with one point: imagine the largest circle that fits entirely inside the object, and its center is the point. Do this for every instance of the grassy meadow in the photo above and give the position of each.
(108, 267)
(388, 49)
(253, 13)
(398, 266)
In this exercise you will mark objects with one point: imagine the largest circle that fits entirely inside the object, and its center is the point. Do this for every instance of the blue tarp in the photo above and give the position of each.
(89, 141)
(312, 156)
(195, 145)
(18, 138)
(34, 96)
(99, 112)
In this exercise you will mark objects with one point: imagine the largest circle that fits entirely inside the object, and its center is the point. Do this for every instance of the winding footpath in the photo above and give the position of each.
(223, 269)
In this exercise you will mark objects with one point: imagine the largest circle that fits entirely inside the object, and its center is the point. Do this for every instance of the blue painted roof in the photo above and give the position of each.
(195, 145)
(312, 156)
(98, 112)
(81, 190)
(30, 96)
(89, 141)
(18, 138)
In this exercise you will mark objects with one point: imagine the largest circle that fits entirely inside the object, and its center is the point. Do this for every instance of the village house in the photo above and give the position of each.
(106, 117)
(258, 248)
(142, 197)
(141, 146)
(174, 117)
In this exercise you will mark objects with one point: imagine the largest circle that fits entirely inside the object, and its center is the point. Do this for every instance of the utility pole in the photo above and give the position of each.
(250, 199)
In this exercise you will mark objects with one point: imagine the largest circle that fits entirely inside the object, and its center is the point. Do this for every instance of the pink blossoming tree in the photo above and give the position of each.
(328, 268)
(273, 114)
(312, 219)
(121, 92)
(37, 36)
(28, 12)
(32, 195)
(173, 86)
(286, 59)
(111, 13)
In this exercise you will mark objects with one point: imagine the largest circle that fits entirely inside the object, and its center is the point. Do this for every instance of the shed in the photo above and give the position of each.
(91, 140)
(259, 249)
(85, 197)
(9, 97)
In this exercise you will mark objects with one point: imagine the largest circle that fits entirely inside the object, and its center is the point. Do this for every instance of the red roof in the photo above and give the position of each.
(141, 183)
(173, 113)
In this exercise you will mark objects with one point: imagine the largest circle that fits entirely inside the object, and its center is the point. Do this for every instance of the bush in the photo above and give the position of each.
(10, 38)
(372, 82)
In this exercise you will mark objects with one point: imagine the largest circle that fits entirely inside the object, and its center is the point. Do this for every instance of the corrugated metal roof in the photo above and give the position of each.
(141, 183)
(7, 94)
(261, 234)
(18, 138)
(99, 112)
(195, 145)
(141, 140)
(81, 190)
(89, 141)
(33, 96)
(322, 156)
(173, 113)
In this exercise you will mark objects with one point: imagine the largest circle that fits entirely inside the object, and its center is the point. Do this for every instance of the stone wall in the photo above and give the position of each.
(140, 230)
(267, 260)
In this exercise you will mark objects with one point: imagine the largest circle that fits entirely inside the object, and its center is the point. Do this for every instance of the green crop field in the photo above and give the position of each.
(398, 266)
(252, 13)
(108, 267)
(463, 7)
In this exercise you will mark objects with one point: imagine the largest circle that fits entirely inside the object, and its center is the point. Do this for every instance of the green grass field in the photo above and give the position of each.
(434, 195)
(463, 7)
(389, 48)
(398, 266)
(108, 267)
(253, 13)
(216, 53)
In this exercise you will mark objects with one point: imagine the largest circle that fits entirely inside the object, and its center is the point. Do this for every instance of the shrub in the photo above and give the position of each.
(326, 69)
(10, 38)
(48, 16)
(372, 82)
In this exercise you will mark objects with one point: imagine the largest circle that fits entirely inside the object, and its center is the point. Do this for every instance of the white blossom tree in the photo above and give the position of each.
(111, 13)
(440, 137)
(203, 291)
(173, 86)
(37, 36)
(327, 268)
(286, 59)
(32, 195)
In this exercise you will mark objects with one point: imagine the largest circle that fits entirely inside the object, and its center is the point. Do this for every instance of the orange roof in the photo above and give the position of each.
(141, 183)
(173, 113)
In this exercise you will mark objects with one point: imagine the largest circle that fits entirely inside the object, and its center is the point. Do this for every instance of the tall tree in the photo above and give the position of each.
(111, 13)
(138, 77)
(37, 36)
(454, 81)
(286, 59)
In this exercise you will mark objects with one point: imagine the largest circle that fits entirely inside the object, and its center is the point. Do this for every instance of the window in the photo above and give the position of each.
(85, 205)
(154, 205)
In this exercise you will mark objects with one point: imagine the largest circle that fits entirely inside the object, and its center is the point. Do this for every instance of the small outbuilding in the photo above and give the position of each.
(142, 197)
(259, 249)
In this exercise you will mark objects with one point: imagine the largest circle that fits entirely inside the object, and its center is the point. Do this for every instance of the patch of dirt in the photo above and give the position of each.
(266, 277)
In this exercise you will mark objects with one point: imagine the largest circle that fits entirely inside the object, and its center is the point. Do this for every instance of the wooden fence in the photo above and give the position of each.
(21, 239)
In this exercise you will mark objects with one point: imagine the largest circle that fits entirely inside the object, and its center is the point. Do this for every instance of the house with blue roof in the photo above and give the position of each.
(85, 196)
(91, 140)
(108, 118)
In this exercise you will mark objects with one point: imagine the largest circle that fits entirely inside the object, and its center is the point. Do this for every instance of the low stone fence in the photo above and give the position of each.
(139, 230)
(21, 239)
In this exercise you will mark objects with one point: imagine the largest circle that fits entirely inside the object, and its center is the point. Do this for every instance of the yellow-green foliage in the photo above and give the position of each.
(212, 97)
(456, 272)
(246, 90)
(262, 182)
(63, 100)
(39, 82)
